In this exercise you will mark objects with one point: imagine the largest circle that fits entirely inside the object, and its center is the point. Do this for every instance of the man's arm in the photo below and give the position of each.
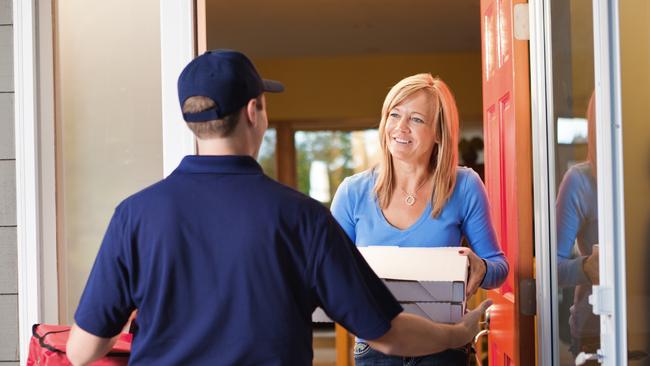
(84, 348)
(412, 335)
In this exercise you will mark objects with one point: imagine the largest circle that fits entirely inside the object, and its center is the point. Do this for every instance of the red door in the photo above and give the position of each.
(508, 175)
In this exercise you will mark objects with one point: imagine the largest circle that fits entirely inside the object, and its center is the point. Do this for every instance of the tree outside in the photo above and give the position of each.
(344, 153)
(266, 157)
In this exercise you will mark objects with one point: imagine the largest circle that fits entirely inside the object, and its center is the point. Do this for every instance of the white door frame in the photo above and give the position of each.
(609, 297)
(35, 180)
(177, 48)
(544, 192)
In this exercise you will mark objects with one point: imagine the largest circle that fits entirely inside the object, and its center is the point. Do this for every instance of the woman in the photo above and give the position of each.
(418, 196)
(577, 225)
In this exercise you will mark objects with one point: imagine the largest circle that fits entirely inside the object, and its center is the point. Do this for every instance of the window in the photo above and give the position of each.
(325, 158)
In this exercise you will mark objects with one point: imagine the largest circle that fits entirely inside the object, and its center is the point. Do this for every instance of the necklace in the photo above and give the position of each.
(410, 197)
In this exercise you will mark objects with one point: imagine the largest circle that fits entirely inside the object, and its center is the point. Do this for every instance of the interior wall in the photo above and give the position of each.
(635, 57)
(355, 86)
(109, 137)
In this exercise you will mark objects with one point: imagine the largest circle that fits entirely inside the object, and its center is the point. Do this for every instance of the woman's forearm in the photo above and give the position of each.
(496, 272)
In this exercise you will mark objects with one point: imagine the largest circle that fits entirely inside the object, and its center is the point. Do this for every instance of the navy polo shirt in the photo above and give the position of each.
(225, 266)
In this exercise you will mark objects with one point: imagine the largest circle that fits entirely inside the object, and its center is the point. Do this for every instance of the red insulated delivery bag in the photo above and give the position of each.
(47, 347)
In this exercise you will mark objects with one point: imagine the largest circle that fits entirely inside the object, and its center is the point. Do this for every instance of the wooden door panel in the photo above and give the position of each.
(508, 172)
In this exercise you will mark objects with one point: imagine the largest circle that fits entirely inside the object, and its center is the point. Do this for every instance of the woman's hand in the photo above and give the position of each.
(590, 266)
(477, 269)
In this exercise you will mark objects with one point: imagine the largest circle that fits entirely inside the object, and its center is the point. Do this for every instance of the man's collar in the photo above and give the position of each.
(219, 164)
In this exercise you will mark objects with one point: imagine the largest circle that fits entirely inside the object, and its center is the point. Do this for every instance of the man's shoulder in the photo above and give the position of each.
(150, 192)
(267, 193)
(276, 192)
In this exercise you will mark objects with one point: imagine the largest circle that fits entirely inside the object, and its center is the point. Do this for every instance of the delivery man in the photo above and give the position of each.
(224, 265)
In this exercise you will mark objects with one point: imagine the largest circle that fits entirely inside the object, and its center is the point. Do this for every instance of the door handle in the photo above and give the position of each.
(583, 357)
(483, 333)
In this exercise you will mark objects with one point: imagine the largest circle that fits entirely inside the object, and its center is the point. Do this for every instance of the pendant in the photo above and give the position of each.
(410, 200)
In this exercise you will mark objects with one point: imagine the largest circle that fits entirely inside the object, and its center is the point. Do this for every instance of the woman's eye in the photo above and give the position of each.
(417, 120)
(394, 115)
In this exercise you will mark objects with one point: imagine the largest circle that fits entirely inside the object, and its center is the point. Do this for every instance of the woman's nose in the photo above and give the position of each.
(402, 124)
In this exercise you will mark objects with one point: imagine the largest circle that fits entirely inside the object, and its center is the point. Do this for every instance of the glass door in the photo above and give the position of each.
(574, 170)
(565, 171)
(591, 172)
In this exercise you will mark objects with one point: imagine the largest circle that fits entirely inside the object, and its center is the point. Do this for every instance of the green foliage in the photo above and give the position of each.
(332, 147)
(266, 157)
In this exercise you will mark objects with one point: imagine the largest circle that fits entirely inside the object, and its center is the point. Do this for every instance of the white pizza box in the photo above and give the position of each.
(415, 274)
(427, 281)
(441, 312)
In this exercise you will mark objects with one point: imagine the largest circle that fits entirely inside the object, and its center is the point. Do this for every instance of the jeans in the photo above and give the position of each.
(366, 356)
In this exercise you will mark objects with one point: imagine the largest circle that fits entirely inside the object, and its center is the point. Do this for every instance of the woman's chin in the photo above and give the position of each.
(403, 156)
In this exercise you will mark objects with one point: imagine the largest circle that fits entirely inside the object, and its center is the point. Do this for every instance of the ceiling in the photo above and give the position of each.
(317, 28)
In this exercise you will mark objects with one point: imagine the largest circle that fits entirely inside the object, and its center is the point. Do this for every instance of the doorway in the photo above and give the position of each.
(337, 60)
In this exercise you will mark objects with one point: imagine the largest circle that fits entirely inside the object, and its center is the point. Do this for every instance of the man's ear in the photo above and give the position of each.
(251, 111)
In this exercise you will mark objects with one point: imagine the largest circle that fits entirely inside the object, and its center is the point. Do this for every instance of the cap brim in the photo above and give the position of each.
(272, 86)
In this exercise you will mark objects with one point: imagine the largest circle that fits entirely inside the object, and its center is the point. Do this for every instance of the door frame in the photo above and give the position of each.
(543, 192)
(35, 166)
(177, 48)
(609, 298)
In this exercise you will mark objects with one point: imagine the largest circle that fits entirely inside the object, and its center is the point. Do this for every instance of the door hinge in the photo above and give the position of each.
(528, 297)
(602, 300)
(521, 22)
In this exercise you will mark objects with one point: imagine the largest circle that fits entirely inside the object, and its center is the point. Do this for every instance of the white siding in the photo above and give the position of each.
(8, 268)
(9, 350)
(7, 193)
(9, 328)
(7, 145)
(6, 58)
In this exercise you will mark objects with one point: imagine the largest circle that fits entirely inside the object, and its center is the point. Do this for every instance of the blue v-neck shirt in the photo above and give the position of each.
(466, 213)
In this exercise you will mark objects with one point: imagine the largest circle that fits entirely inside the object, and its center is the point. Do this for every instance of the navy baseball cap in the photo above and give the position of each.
(227, 77)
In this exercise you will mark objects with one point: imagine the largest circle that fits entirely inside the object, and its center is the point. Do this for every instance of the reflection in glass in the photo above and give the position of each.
(577, 243)
(575, 173)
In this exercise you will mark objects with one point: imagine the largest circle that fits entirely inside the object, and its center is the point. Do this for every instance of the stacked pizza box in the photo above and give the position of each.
(429, 282)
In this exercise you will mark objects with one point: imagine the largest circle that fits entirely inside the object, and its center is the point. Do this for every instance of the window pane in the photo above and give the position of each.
(325, 158)
(266, 157)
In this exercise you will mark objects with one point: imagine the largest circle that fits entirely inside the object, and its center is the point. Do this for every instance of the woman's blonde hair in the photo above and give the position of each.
(444, 157)
(591, 133)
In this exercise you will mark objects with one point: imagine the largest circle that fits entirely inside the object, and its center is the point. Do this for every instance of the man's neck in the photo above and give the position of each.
(223, 146)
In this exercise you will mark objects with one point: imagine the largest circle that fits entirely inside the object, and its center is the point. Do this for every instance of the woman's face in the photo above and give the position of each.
(410, 129)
